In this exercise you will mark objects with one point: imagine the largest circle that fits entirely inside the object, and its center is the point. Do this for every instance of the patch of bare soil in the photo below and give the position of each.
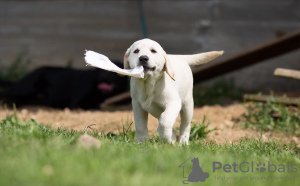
(112, 121)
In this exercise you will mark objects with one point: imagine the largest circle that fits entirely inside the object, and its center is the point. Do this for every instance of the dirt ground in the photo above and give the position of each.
(220, 118)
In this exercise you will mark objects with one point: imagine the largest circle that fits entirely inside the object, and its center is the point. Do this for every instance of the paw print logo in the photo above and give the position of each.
(260, 167)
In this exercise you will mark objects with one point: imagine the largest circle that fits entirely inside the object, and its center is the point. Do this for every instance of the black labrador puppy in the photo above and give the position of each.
(64, 87)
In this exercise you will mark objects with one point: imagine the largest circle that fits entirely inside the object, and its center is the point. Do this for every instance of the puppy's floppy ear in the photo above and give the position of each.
(126, 62)
(168, 67)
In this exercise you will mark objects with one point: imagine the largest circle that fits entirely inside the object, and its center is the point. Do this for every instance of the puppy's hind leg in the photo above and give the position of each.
(186, 115)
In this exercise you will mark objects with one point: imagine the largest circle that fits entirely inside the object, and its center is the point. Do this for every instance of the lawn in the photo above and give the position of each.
(35, 154)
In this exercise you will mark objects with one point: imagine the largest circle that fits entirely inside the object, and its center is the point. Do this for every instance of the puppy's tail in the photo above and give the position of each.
(198, 59)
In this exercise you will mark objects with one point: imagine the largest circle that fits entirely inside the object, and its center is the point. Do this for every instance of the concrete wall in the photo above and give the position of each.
(52, 32)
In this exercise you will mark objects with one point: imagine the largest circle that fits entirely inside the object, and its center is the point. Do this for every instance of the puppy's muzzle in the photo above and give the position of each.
(143, 60)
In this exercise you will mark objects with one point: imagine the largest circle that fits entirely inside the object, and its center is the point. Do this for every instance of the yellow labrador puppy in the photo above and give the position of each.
(166, 90)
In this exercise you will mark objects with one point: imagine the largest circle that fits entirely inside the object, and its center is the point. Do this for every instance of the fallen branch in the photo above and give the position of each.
(120, 98)
(248, 57)
(295, 74)
(278, 99)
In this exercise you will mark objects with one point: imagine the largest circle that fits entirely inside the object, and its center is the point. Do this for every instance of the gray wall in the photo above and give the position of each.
(51, 32)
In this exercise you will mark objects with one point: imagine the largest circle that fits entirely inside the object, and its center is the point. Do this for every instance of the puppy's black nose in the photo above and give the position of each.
(143, 59)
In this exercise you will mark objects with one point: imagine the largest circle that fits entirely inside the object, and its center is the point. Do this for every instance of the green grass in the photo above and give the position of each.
(200, 130)
(35, 154)
(271, 116)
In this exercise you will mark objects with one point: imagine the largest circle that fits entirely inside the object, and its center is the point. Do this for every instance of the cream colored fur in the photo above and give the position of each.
(165, 92)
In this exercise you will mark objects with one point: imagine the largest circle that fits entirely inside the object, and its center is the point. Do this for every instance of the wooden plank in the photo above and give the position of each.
(295, 74)
(257, 54)
(278, 99)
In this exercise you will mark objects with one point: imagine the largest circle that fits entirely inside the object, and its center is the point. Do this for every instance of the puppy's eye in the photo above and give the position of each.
(153, 51)
(136, 51)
